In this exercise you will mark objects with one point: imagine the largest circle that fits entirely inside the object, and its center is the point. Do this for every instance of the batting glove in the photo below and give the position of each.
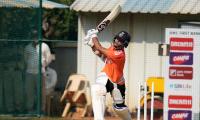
(92, 33)
(88, 38)
(88, 41)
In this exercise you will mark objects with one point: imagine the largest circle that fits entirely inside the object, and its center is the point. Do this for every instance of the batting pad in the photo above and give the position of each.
(98, 101)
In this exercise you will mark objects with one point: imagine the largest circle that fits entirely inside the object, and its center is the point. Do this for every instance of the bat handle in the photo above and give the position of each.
(96, 31)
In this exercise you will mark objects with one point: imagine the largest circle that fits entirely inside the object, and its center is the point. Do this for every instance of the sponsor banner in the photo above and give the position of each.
(181, 73)
(175, 101)
(182, 44)
(179, 58)
(179, 115)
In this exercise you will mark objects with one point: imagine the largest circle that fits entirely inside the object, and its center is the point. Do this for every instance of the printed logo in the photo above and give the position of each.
(185, 44)
(180, 87)
(181, 73)
(121, 34)
(177, 58)
(103, 25)
(118, 52)
(179, 115)
(179, 101)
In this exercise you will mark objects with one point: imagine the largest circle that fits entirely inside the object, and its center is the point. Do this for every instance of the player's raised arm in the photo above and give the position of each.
(95, 45)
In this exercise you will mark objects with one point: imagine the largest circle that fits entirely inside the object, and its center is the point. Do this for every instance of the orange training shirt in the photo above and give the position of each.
(114, 64)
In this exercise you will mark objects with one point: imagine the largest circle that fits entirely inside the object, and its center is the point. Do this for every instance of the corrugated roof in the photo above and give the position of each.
(139, 6)
(30, 3)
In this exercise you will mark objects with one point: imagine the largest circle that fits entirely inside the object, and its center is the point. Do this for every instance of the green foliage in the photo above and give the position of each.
(18, 23)
(63, 22)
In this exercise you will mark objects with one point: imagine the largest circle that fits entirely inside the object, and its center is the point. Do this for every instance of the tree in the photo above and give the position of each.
(60, 23)
(17, 23)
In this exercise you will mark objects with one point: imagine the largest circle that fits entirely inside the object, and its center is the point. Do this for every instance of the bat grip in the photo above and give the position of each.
(96, 31)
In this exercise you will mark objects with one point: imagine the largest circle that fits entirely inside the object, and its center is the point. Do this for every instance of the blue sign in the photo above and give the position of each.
(179, 58)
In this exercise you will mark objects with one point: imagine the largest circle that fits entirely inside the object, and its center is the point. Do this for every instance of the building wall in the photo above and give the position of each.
(147, 32)
(65, 63)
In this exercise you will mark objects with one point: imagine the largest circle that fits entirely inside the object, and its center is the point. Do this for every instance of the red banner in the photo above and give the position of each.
(181, 73)
(185, 44)
(179, 101)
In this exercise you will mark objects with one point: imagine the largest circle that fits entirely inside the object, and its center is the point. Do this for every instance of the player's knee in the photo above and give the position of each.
(98, 89)
(122, 112)
(117, 96)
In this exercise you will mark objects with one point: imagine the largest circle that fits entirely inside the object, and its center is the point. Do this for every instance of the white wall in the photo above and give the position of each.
(147, 32)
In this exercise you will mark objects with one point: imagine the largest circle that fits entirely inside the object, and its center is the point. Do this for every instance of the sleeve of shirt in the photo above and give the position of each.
(46, 54)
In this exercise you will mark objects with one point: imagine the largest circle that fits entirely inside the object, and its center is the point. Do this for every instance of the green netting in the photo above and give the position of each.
(17, 23)
(20, 76)
(21, 86)
(18, 85)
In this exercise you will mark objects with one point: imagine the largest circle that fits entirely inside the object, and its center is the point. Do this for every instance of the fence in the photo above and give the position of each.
(21, 87)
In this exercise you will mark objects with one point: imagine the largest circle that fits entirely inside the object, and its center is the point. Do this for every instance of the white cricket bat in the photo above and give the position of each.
(103, 24)
(113, 14)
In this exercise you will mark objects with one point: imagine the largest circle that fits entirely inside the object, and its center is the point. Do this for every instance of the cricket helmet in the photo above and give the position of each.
(123, 37)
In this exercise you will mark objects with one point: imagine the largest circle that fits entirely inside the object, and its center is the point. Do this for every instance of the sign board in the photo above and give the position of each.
(182, 74)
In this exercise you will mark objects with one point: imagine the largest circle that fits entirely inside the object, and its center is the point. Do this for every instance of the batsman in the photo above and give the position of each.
(111, 78)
